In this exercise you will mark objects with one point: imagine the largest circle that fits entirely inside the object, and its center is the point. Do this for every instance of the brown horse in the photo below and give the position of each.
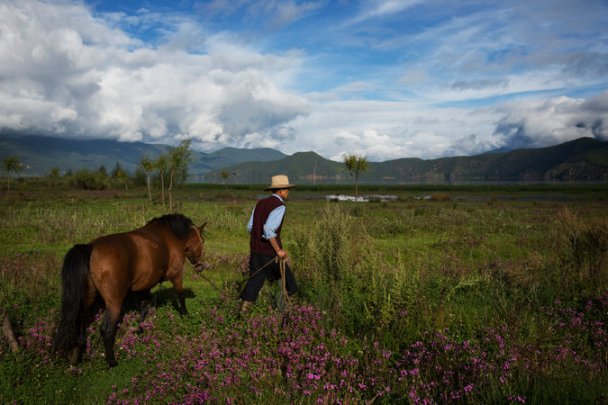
(113, 265)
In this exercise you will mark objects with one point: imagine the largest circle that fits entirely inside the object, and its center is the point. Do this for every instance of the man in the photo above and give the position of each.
(265, 244)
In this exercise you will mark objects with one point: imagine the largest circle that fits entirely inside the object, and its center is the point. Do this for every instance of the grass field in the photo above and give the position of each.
(474, 294)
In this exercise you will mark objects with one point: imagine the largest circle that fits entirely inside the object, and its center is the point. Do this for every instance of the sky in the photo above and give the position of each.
(384, 79)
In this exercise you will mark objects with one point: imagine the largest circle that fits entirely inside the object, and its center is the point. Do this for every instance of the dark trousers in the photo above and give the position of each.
(271, 272)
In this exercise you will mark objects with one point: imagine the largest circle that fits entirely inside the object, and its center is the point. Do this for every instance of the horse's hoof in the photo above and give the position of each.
(73, 356)
(112, 363)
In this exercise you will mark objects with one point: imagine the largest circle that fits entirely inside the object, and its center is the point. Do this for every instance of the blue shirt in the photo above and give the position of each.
(272, 222)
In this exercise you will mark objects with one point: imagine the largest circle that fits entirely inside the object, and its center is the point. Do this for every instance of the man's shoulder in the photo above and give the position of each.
(271, 200)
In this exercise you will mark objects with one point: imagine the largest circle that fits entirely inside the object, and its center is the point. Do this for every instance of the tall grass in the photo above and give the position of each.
(396, 301)
(362, 290)
(584, 254)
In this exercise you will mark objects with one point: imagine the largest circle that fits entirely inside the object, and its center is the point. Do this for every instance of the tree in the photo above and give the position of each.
(12, 164)
(148, 167)
(225, 175)
(102, 170)
(120, 174)
(53, 177)
(356, 165)
(161, 165)
(178, 166)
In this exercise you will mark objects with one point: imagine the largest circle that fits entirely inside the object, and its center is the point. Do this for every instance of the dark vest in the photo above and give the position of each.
(262, 210)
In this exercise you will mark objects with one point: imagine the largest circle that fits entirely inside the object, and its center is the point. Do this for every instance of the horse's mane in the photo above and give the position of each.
(179, 224)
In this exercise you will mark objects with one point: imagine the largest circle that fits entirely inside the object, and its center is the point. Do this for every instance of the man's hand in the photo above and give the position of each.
(278, 250)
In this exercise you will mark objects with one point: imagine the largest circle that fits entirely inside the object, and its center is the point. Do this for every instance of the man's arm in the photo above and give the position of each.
(278, 250)
(250, 223)
(273, 222)
(270, 229)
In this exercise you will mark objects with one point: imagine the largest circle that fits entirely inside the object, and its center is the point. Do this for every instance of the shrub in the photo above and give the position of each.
(440, 197)
(350, 281)
(89, 180)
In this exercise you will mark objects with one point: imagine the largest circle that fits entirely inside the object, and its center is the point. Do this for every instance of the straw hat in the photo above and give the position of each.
(279, 182)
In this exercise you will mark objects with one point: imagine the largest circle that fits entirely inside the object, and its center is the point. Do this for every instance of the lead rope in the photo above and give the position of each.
(200, 261)
(285, 300)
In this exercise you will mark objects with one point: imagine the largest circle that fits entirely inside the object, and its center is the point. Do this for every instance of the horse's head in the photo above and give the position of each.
(194, 247)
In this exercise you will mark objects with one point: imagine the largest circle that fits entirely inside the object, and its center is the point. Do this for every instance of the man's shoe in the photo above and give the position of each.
(245, 307)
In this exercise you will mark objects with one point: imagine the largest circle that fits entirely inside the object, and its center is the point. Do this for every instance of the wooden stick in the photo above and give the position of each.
(7, 331)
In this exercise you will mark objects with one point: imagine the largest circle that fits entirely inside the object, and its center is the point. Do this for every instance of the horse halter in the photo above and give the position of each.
(199, 265)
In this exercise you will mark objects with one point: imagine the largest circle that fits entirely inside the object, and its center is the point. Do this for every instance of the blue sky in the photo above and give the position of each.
(381, 78)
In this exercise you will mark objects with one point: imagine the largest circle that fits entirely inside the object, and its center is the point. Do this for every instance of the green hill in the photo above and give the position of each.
(307, 167)
(584, 159)
(40, 154)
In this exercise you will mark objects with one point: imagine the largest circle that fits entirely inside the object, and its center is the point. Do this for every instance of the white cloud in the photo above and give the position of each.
(514, 47)
(389, 130)
(65, 72)
(537, 123)
(383, 8)
(276, 13)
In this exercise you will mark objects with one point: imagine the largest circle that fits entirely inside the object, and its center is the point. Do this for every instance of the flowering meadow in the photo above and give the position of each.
(418, 302)
(284, 357)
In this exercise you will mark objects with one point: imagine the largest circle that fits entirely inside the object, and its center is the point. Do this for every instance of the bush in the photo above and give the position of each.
(352, 282)
(88, 180)
(440, 197)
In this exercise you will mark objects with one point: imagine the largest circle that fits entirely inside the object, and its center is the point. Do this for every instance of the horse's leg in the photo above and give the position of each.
(75, 356)
(181, 299)
(144, 305)
(108, 331)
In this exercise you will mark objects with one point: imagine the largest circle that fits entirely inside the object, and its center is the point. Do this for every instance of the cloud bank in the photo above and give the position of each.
(65, 72)
(458, 83)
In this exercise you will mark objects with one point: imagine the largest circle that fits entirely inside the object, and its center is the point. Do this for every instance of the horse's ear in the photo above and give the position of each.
(200, 228)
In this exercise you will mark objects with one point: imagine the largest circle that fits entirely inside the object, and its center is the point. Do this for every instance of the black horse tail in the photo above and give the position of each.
(74, 276)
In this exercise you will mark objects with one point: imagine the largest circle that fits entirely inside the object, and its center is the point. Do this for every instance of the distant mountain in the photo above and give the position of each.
(229, 155)
(307, 167)
(40, 154)
(584, 159)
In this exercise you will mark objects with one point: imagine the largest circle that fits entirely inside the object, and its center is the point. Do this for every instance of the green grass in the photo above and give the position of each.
(486, 258)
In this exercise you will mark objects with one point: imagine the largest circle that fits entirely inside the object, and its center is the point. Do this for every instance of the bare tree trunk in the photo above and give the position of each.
(171, 191)
(149, 191)
(7, 331)
(162, 188)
